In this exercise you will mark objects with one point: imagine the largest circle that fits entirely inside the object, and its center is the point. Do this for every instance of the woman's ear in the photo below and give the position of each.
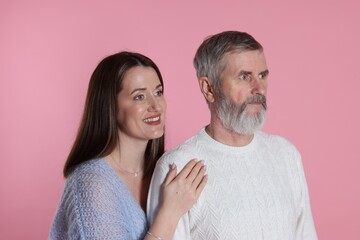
(207, 89)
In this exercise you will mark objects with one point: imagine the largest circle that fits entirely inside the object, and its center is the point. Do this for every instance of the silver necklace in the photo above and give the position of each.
(135, 174)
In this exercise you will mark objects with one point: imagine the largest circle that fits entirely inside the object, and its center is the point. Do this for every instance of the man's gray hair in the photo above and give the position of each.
(209, 58)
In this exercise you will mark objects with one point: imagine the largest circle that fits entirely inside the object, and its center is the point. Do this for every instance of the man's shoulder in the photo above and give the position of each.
(181, 153)
(273, 139)
(180, 149)
(277, 144)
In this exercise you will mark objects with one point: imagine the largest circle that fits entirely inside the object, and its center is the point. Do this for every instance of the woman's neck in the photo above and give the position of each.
(129, 153)
(127, 159)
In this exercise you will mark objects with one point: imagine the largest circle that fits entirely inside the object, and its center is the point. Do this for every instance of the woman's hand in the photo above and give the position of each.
(180, 193)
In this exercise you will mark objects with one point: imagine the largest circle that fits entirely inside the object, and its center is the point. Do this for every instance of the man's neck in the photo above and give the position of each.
(217, 131)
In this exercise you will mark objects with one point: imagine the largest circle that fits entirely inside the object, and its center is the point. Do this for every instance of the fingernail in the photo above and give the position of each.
(202, 162)
(173, 165)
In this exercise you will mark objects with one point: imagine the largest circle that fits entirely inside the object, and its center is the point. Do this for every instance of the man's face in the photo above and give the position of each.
(241, 102)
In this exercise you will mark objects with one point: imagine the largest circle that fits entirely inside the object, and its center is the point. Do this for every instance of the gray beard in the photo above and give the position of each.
(235, 118)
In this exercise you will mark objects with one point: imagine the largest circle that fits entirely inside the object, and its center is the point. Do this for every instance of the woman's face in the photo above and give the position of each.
(141, 104)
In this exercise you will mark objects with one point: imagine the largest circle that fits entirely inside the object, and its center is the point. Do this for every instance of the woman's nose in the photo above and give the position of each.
(153, 104)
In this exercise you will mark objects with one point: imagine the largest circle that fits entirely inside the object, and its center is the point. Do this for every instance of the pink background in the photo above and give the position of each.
(48, 50)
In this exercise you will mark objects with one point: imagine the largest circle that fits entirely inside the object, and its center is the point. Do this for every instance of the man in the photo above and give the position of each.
(256, 187)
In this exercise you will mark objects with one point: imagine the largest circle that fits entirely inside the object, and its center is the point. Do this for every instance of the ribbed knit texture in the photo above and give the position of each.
(254, 192)
(96, 205)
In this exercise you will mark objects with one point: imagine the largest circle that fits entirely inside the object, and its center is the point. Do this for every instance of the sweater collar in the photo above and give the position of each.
(223, 147)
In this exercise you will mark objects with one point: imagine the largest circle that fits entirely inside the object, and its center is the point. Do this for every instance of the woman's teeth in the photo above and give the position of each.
(152, 119)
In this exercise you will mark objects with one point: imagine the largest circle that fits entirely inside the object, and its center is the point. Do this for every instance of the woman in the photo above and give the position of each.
(109, 168)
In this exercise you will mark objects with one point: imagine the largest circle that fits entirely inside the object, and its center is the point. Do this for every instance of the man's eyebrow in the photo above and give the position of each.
(245, 72)
(265, 72)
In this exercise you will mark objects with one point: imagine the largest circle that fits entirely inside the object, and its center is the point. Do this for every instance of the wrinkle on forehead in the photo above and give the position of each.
(245, 62)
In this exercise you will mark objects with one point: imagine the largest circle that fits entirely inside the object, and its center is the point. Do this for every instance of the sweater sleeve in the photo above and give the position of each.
(98, 212)
(183, 228)
(305, 225)
(95, 205)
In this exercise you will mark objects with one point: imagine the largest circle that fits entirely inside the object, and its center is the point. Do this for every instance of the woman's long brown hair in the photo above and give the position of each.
(98, 132)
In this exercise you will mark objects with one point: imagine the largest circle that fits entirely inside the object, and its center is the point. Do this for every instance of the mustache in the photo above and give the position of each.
(255, 99)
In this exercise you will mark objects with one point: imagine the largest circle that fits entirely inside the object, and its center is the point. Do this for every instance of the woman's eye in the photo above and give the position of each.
(139, 97)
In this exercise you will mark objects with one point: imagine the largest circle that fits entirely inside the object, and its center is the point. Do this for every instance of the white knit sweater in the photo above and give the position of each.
(254, 192)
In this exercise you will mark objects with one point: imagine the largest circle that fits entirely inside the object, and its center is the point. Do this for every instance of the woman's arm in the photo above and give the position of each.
(179, 193)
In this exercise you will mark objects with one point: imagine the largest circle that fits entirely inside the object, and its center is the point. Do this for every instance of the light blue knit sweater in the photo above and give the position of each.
(96, 205)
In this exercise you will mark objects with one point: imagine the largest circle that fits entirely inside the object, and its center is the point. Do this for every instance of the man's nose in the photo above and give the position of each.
(258, 86)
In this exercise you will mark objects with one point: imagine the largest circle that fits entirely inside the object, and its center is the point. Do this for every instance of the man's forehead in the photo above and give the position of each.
(242, 52)
(246, 59)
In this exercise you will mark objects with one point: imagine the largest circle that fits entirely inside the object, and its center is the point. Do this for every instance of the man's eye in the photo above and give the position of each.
(263, 75)
(244, 77)
(139, 97)
(159, 93)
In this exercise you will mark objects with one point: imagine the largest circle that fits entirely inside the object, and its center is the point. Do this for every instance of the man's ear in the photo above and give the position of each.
(207, 89)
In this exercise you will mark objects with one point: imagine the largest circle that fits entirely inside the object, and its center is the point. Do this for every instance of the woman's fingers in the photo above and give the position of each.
(201, 186)
(196, 171)
(180, 192)
(200, 175)
(171, 174)
(187, 169)
(191, 177)
(192, 171)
